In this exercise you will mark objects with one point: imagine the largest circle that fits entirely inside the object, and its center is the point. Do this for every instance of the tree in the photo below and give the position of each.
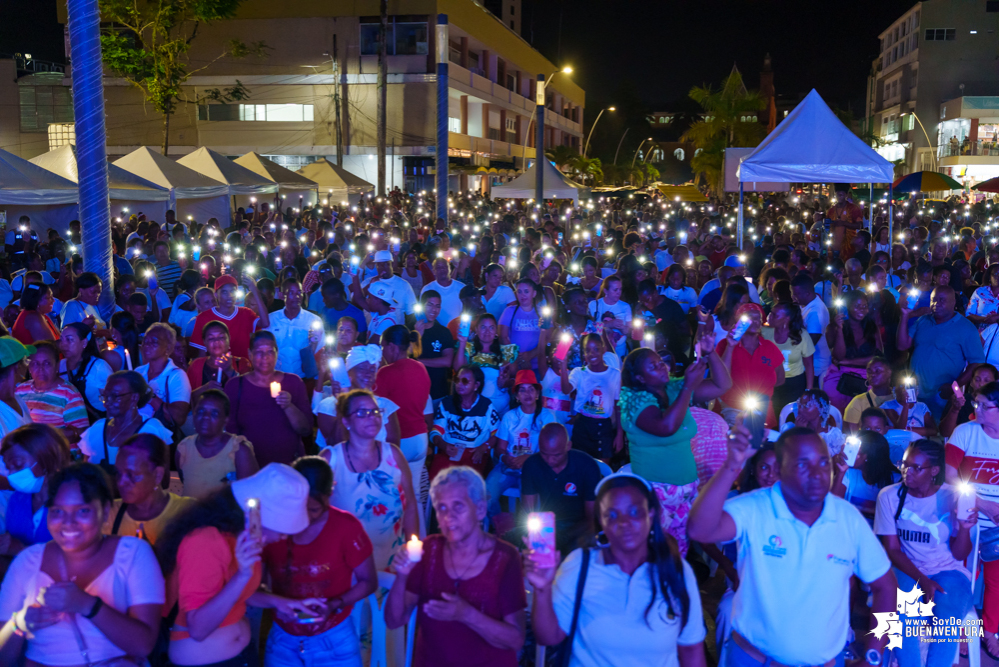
(587, 168)
(146, 43)
(724, 124)
(561, 155)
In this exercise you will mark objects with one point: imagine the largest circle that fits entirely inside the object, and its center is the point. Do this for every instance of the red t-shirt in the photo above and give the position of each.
(241, 323)
(752, 374)
(496, 592)
(319, 569)
(407, 384)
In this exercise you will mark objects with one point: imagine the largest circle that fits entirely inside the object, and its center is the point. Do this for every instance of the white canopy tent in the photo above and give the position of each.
(292, 188)
(336, 183)
(241, 181)
(556, 185)
(811, 145)
(192, 195)
(128, 192)
(27, 189)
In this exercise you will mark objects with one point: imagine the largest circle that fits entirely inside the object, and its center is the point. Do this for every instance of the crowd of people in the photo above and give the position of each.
(274, 417)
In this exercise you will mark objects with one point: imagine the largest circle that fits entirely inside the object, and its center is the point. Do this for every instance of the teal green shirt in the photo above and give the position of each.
(664, 459)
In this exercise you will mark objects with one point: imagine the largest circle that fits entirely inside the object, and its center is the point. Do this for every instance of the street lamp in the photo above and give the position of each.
(933, 157)
(592, 127)
(635, 156)
(564, 70)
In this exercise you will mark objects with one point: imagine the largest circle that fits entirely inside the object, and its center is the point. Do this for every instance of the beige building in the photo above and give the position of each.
(321, 49)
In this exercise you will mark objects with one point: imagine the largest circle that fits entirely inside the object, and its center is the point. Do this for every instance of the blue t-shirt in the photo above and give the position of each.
(942, 351)
(332, 316)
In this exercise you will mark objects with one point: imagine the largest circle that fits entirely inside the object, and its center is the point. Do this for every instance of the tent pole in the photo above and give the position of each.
(870, 227)
(739, 222)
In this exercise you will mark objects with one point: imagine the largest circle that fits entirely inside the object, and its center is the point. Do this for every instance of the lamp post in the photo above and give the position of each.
(929, 144)
(593, 127)
(564, 70)
(619, 142)
(441, 177)
(539, 144)
(635, 156)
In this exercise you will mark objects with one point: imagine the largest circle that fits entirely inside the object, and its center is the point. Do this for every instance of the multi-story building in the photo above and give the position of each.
(322, 50)
(937, 51)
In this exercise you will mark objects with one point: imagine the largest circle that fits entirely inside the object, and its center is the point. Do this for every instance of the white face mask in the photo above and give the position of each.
(24, 480)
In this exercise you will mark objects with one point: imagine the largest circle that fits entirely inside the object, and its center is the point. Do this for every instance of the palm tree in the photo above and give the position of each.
(613, 174)
(561, 155)
(728, 120)
(587, 168)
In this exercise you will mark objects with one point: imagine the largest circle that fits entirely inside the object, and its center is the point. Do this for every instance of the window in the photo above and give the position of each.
(511, 25)
(511, 125)
(678, 154)
(915, 78)
(992, 6)
(405, 38)
(44, 104)
(454, 125)
(940, 34)
(256, 112)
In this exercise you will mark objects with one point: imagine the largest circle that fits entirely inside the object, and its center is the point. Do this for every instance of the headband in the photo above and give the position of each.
(363, 353)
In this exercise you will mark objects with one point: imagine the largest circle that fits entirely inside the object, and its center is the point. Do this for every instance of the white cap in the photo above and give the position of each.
(283, 493)
(383, 256)
(380, 290)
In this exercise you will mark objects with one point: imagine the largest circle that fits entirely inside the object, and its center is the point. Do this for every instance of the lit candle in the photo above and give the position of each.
(218, 375)
(128, 359)
(275, 389)
(414, 550)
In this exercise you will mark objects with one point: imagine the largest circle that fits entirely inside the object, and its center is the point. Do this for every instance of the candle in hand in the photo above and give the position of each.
(414, 550)
(275, 389)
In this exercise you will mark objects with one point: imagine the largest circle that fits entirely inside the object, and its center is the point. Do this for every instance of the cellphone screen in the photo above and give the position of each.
(755, 420)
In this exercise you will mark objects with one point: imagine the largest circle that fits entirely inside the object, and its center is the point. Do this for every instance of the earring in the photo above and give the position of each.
(602, 541)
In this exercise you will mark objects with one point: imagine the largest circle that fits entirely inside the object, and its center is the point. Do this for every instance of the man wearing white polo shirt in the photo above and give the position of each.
(402, 291)
(798, 547)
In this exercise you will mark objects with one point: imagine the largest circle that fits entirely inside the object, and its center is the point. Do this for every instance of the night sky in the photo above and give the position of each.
(645, 55)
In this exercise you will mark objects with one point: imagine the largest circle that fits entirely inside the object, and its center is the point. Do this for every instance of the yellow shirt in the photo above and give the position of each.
(153, 527)
(861, 402)
(793, 354)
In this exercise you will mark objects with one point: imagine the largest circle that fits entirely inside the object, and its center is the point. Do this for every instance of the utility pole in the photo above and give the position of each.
(442, 116)
(336, 103)
(539, 146)
(382, 95)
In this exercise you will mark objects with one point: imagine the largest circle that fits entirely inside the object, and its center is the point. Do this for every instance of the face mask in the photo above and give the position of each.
(25, 481)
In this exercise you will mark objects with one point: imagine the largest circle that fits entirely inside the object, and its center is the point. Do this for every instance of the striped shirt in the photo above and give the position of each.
(167, 276)
(59, 406)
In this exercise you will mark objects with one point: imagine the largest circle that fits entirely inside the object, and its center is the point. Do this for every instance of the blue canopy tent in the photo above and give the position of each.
(811, 145)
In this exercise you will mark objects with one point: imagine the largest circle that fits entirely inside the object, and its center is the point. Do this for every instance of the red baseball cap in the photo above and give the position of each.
(222, 281)
(525, 377)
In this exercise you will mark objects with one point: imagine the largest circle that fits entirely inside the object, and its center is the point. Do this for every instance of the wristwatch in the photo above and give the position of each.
(873, 656)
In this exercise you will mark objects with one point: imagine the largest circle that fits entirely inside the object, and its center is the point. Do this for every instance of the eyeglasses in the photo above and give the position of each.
(464, 381)
(364, 413)
(112, 398)
(909, 466)
(982, 407)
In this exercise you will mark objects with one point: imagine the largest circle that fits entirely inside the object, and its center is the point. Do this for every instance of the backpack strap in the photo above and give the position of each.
(580, 584)
(118, 518)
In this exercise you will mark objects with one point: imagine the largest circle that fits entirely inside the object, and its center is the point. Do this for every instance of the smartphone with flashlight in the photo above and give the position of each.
(253, 525)
(541, 538)
(755, 417)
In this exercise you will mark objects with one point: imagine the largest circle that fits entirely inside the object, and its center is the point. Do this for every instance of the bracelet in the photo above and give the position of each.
(98, 603)
(25, 632)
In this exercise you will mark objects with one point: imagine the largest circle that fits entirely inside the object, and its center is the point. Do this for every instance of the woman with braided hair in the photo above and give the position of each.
(926, 541)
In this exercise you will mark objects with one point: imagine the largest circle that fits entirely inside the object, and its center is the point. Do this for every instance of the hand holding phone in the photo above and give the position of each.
(541, 538)
(253, 524)
(755, 418)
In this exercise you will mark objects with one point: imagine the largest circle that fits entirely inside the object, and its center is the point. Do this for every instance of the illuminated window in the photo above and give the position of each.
(679, 154)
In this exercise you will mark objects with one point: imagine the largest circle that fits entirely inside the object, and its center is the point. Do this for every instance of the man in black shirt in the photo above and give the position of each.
(438, 345)
(562, 480)
(670, 320)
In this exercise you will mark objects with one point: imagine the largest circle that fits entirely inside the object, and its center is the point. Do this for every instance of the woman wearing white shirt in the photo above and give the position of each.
(126, 392)
(613, 313)
(13, 411)
(82, 366)
(496, 296)
(84, 598)
(362, 364)
(639, 598)
(922, 508)
(171, 401)
(676, 288)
